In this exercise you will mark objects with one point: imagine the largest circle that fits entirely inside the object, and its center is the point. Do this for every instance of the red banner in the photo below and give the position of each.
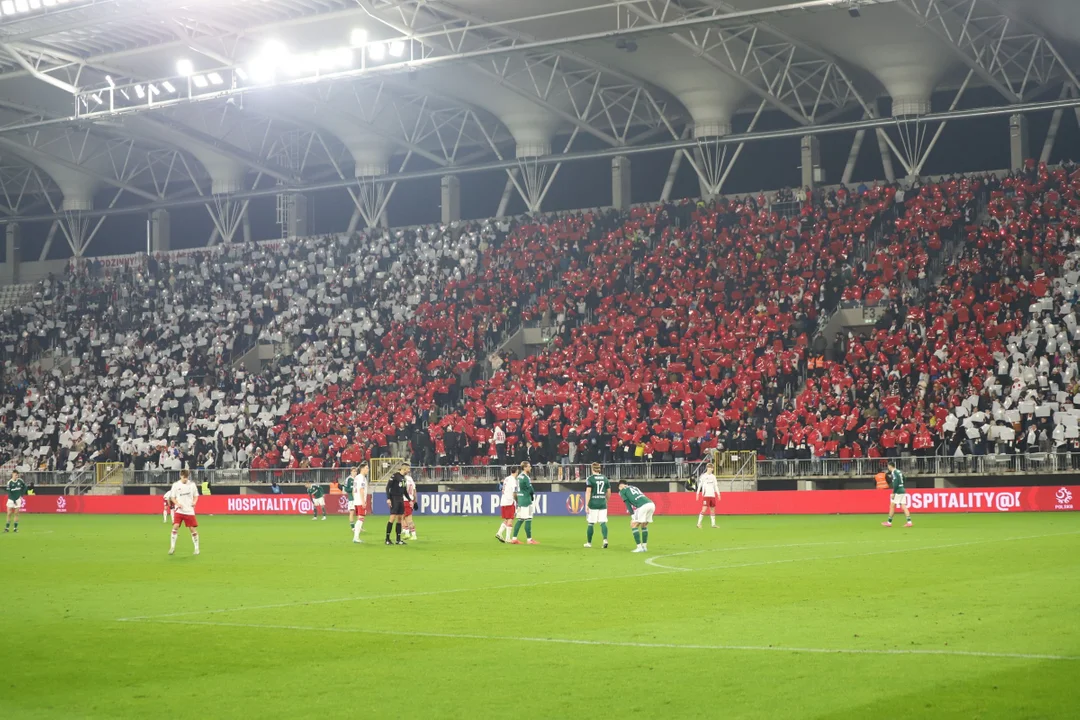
(207, 505)
(805, 502)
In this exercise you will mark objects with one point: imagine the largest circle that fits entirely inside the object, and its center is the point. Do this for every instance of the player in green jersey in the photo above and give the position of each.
(348, 488)
(16, 489)
(315, 491)
(597, 492)
(526, 494)
(641, 511)
(899, 496)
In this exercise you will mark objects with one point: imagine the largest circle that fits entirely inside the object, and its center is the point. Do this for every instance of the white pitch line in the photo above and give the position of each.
(662, 570)
(424, 593)
(653, 560)
(614, 643)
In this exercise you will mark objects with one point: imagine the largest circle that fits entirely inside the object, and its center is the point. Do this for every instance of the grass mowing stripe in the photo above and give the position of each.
(662, 570)
(615, 643)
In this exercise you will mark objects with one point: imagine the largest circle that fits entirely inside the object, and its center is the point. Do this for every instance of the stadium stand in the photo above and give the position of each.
(678, 329)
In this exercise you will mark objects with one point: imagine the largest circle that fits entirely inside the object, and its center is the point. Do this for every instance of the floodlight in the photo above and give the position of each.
(185, 67)
(397, 48)
(48, 3)
(200, 81)
(153, 90)
(97, 98)
(169, 87)
(35, 4)
(358, 37)
(377, 51)
(22, 6)
(108, 79)
(344, 57)
(241, 73)
(8, 6)
(215, 79)
(140, 92)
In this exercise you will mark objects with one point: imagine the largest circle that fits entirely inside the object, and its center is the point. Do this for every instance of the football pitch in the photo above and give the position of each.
(966, 616)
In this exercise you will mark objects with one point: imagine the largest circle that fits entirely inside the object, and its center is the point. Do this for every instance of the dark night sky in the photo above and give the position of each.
(970, 145)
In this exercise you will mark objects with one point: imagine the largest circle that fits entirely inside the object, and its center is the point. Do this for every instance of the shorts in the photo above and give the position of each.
(524, 513)
(359, 508)
(397, 506)
(408, 508)
(12, 504)
(899, 499)
(350, 506)
(186, 520)
(508, 512)
(644, 513)
(709, 500)
(319, 502)
(597, 515)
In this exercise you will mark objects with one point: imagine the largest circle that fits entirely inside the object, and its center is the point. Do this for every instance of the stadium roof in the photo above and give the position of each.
(184, 101)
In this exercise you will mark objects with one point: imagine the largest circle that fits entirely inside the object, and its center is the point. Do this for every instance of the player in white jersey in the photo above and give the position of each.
(184, 495)
(506, 502)
(708, 491)
(358, 502)
(412, 501)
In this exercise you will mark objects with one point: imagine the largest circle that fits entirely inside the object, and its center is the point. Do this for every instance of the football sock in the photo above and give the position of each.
(637, 536)
(172, 540)
(645, 536)
(352, 525)
(356, 532)
(713, 519)
(359, 527)
(16, 526)
(389, 527)
(588, 533)
(397, 531)
(603, 530)
(700, 517)
(316, 511)
(890, 518)
(499, 532)
(195, 539)
(517, 527)
(528, 529)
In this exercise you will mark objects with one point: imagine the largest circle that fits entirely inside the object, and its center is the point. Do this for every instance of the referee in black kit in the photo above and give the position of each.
(395, 499)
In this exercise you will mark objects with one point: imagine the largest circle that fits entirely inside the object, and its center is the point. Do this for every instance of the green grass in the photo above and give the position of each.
(457, 625)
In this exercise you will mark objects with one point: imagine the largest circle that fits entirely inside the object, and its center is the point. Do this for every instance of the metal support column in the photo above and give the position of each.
(160, 231)
(1019, 147)
(620, 182)
(812, 172)
(11, 258)
(450, 186)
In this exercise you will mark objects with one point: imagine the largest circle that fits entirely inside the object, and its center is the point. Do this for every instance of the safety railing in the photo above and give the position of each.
(813, 468)
(935, 465)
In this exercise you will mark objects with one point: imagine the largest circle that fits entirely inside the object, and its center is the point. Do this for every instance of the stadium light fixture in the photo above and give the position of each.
(358, 37)
(242, 74)
(139, 92)
(200, 81)
(35, 4)
(215, 78)
(169, 87)
(377, 51)
(397, 48)
(49, 3)
(8, 7)
(22, 6)
(153, 89)
(185, 67)
(108, 79)
(97, 98)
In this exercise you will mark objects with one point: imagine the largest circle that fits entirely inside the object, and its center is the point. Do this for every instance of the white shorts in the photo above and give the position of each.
(644, 513)
(320, 502)
(350, 505)
(597, 516)
(12, 504)
(899, 499)
(524, 513)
